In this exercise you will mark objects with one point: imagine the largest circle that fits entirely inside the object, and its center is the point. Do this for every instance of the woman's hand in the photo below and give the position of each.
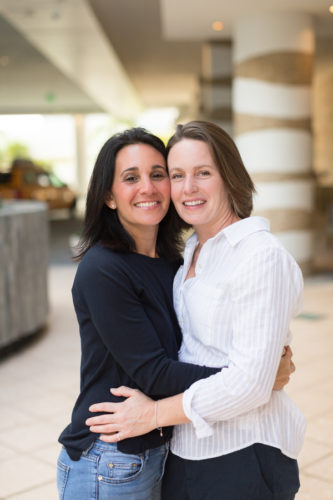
(133, 417)
(286, 368)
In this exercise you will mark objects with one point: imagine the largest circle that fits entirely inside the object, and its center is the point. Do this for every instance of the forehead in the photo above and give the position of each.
(190, 152)
(139, 154)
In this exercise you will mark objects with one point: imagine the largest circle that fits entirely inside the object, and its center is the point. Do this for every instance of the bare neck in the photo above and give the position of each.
(206, 231)
(145, 241)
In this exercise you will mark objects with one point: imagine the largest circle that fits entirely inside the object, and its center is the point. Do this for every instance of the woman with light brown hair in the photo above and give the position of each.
(234, 296)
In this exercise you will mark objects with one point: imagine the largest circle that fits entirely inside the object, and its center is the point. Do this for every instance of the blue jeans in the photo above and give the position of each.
(104, 473)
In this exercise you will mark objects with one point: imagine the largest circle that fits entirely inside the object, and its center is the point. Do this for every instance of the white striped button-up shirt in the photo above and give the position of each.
(235, 312)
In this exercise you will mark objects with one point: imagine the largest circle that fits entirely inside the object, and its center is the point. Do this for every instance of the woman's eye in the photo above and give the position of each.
(175, 176)
(131, 178)
(158, 175)
(204, 173)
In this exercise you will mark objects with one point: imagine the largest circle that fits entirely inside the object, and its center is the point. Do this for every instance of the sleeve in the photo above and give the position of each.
(127, 332)
(266, 292)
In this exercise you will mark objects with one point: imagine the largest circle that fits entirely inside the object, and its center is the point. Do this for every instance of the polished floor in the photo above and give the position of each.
(39, 383)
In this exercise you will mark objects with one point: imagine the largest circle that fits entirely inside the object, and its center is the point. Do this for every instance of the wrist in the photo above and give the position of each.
(156, 426)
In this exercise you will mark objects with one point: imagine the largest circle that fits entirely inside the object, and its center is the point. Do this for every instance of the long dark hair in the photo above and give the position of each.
(101, 224)
(228, 161)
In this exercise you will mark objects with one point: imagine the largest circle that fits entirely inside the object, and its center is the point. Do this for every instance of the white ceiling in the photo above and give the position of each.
(164, 72)
(29, 82)
(101, 54)
(192, 20)
(69, 35)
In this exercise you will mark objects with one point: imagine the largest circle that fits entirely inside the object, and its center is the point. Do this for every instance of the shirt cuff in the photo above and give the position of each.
(202, 428)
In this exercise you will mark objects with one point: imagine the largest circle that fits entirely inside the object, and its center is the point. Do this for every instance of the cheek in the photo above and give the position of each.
(166, 189)
(123, 195)
(176, 192)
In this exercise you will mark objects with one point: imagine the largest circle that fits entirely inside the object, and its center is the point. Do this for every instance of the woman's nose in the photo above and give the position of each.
(147, 186)
(190, 185)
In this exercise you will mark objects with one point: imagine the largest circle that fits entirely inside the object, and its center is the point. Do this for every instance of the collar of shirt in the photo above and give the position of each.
(235, 232)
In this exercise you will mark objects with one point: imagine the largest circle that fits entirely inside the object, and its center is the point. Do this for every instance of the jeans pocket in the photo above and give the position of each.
(116, 467)
(62, 477)
(264, 486)
(286, 479)
(279, 472)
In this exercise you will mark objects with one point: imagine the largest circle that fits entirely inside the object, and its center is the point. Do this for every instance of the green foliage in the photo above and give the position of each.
(17, 150)
(10, 151)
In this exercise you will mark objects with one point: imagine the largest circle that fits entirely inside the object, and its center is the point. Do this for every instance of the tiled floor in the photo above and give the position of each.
(38, 386)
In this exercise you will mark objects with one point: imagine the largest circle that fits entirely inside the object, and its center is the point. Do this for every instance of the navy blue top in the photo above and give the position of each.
(129, 336)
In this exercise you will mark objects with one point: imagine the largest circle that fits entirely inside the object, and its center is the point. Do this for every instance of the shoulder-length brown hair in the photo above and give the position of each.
(227, 159)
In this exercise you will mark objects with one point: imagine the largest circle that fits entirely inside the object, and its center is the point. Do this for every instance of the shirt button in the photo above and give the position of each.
(111, 465)
(133, 465)
(100, 478)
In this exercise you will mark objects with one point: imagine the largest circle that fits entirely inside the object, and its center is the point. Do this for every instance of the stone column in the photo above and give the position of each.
(323, 111)
(81, 173)
(273, 55)
(323, 145)
(215, 84)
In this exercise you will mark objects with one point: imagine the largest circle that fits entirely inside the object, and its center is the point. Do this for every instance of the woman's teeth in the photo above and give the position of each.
(146, 204)
(193, 203)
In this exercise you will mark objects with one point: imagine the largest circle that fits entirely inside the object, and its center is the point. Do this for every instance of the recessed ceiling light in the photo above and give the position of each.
(331, 9)
(217, 26)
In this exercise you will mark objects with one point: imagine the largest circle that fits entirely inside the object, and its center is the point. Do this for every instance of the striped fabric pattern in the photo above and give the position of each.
(235, 313)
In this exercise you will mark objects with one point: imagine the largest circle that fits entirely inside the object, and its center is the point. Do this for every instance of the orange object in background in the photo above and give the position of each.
(28, 181)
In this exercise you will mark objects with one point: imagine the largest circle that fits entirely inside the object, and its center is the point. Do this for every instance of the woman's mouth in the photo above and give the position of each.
(147, 204)
(193, 203)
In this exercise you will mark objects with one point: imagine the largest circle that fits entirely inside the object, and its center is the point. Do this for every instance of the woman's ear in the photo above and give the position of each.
(109, 201)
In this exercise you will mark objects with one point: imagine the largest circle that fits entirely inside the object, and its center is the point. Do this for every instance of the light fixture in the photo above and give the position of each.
(217, 26)
(331, 9)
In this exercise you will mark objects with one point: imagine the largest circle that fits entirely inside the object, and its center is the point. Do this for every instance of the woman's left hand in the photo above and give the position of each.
(286, 368)
(133, 417)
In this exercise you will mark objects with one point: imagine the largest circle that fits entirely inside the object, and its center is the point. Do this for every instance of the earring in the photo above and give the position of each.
(113, 205)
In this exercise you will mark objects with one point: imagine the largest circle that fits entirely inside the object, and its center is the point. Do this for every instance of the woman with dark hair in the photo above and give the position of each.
(234, 296)
(122, 295)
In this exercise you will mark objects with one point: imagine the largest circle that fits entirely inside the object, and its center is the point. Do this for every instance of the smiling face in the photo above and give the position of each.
(197, 189)
(141, 188)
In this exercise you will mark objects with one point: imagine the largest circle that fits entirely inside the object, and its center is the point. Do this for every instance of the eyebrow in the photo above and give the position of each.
(196, 167)
(135, 169)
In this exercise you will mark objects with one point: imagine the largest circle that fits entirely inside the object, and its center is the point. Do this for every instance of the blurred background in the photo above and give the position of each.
(74, 72)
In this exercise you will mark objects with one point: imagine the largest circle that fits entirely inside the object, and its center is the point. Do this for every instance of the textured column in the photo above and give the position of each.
(273, 55)
(323, 111)
(23, 269)
(215, 84)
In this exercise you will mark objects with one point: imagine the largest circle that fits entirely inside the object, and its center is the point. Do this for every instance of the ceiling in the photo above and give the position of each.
(30, 83)
(164, 72)
(192, 20)
(116, 55)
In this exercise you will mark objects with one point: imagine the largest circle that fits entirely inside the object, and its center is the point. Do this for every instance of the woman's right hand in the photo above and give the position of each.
(286, 368)
(133, 417)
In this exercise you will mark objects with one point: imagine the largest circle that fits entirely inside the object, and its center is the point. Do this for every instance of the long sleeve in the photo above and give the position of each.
(119, 314)
(265, 293)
